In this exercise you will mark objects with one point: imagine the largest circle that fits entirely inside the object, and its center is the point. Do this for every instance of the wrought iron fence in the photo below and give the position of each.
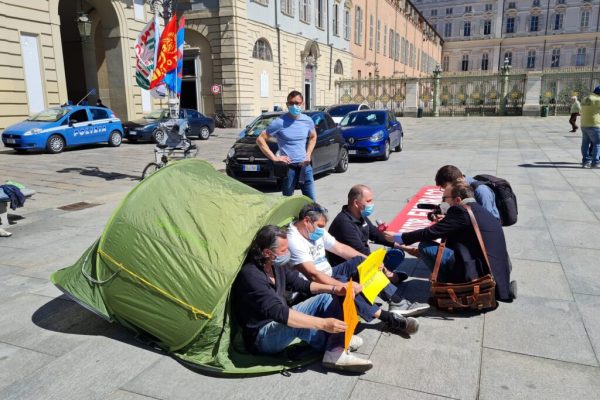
(387, 93)
(558, 88)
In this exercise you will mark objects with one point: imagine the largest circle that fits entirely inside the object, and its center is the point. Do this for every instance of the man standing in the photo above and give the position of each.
(590, 130)
(308, 242)
(269, 325)
(575, 110)
(463, 259)
(353, 228)
(296, 137)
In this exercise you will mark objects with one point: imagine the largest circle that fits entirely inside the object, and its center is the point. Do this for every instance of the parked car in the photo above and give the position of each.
(339, 111)
(55, 128)
(372, 133)
(245, 162)
(146, 128)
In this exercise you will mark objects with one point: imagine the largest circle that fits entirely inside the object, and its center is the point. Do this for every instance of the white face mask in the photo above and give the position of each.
(444, 207)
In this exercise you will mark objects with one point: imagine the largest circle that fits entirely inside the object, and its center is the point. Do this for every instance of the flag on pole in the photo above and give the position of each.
(173, 77)
(166, 59)
(145, 53)
(350, 315)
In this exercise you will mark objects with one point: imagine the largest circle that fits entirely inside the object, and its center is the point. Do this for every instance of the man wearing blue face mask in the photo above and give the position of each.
(296, 138)
(308, 242)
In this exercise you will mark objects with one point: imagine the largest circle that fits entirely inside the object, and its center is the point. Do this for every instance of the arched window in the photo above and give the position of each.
(339, 68)
(508, 57)
(464, 65)
(262, 50)
(484, 61)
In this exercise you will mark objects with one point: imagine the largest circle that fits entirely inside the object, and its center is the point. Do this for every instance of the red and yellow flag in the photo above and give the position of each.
(350, 315)
(166, 59)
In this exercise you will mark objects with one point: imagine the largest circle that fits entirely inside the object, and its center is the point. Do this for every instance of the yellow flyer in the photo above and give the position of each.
(371, 278)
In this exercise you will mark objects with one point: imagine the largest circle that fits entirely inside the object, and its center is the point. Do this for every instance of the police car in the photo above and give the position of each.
(55, 128)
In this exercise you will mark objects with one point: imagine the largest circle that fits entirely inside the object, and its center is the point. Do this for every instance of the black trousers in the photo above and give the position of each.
(573, 121)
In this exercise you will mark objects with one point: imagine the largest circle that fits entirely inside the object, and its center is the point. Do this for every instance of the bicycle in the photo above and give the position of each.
(223, 120)
(163, 155)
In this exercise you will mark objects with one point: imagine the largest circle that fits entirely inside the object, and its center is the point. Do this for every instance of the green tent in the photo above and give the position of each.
(166, 261)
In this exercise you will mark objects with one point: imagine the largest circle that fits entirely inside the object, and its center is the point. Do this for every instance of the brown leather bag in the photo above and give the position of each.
(478, 294)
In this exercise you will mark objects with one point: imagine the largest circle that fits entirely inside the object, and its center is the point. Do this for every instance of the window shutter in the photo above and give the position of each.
(308, 9)
(528, 23)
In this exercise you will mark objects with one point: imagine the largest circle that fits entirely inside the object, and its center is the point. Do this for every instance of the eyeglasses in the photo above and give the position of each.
(295, 103)
(446, 197)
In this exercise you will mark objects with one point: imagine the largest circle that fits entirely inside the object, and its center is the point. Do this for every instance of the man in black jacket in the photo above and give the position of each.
(465, 260)
(269, 325)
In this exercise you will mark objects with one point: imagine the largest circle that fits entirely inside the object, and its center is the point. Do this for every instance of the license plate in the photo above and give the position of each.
(251, 168)
(132, 133)
(11, 141)
(352, 152)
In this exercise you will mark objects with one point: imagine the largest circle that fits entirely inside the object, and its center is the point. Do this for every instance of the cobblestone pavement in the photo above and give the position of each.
(546, 345)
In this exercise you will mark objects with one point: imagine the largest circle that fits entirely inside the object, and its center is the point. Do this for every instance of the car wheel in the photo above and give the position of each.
(158, 136)
(204, 133)
(386, 151)
(400, 144)
(115, 139)
(150, 169)
(342, 165)
(55, 144)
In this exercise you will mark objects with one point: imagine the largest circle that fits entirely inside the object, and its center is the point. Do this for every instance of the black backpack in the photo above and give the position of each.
(506, 200)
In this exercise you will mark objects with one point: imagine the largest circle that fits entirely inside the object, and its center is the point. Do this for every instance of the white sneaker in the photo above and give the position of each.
(341, 360)
(355, 343)
(4, 233)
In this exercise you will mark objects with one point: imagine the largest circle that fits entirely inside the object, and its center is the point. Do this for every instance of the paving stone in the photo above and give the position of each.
(541, 279)
(125, 395)
(575, 234)
(16, 363)
(588, 307)
(581, 268)
(530, 244)
(376, 391)
(14, 285)
(515, 376)
(571, 211)
(540, 327)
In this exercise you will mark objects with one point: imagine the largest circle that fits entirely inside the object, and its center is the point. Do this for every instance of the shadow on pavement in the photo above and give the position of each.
(96, 172)
(552, 164)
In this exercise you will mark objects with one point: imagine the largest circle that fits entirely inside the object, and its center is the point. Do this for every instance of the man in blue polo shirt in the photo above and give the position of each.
(296, 137)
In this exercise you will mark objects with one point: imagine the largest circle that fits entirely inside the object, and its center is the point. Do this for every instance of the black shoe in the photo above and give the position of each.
(513, 289)
(407, 325)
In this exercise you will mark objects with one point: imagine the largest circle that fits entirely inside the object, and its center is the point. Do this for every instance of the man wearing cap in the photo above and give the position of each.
(575, 112)
(590, 130)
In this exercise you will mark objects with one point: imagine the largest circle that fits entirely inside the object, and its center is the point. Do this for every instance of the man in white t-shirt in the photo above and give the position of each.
(308, 242)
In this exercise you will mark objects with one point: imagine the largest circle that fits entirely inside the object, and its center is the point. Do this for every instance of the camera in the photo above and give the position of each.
(434, 213)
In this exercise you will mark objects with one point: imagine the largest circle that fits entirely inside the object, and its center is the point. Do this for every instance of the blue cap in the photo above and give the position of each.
(597, 90)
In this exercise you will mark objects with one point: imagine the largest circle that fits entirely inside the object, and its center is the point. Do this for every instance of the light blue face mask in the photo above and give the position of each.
(317, 234)
(295, 110)
(282, 259)
(368, 210)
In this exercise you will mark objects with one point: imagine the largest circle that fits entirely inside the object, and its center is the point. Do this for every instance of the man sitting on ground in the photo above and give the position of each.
(269, 325)
(352, 227)
(308, 241)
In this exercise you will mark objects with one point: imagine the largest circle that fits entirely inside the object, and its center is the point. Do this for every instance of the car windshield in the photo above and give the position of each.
(49, 115)
(363, 118)
(156, 114)
(340, 111)
(259, 124)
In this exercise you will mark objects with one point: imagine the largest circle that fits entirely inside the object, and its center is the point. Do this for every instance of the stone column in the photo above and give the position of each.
(533, 93)
(412, 98)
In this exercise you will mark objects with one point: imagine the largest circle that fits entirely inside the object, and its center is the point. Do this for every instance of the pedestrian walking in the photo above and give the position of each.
(575, 112)
(590, 130)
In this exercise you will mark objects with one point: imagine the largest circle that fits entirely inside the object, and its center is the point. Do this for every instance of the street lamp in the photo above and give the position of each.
(436, 90)
(437, 71)
(84, 25)
(506, 65)
(375, 65)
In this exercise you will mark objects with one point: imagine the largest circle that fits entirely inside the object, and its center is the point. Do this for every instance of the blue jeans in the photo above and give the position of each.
(590, 145)
(429, 251)
(275, 337)
(393, 259)
(294, 176)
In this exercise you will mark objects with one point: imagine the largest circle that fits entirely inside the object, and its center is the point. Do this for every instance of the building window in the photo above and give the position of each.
(448, 29)
(358, 25)
(262, 50)
(287, 7)
(531, 59)
(508, 57)
(558, 21)
(385, 40)
(34, 80)
(445, 63)
(585, 19)
(512, 4)
(560, 1)
(464, 65)
(305, 11)
(468, 9)
(510, 25)
(485, 61)
(320, 13)
(449, 11)
(434, 13)
(397, 48)
(346, 24)
(335, 20)
(489, 7)
(536, 3)
(392, 38)
(487, 27)
(555, 60)
(378, 36)
(371, 32)
(339, 68)
(580, 57)
(534, 23)
(467, 28)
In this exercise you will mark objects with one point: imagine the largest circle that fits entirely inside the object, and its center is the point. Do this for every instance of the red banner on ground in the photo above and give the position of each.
(411, 217)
